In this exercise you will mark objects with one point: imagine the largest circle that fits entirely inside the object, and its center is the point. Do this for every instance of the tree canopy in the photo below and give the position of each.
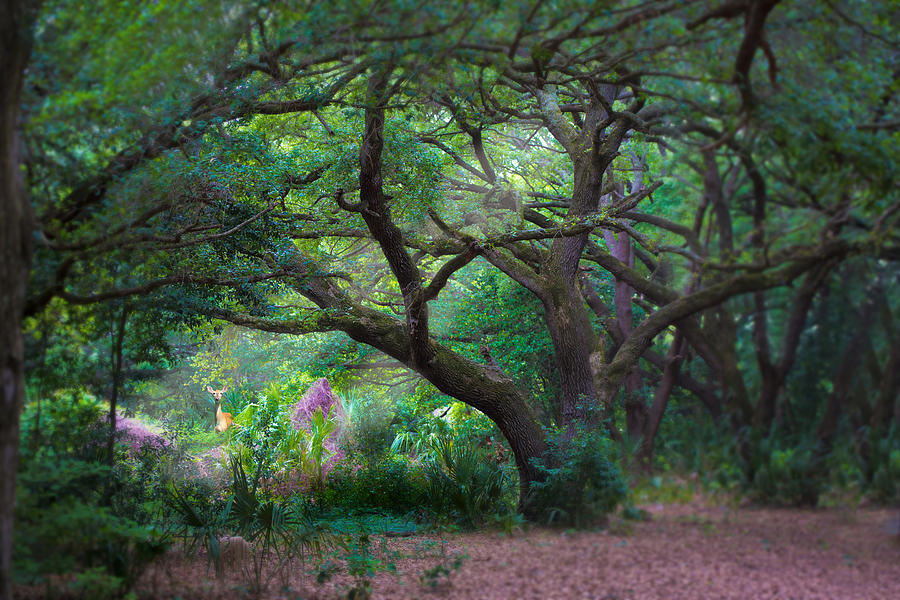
(301, 168)
(552, 211)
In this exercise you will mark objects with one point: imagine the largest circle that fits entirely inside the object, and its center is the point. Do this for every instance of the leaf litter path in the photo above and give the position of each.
(684, 552)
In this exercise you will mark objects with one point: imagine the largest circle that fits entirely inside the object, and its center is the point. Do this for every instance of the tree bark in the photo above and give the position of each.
(802, 303)
(16, 20)
(115, 352)
(768, 374)
(720, 325)
(492, 393)
(591, 151)
(674, 358)
(890, 382)
(118, 340)
(843, 379)
(722, 332)
(620, 246)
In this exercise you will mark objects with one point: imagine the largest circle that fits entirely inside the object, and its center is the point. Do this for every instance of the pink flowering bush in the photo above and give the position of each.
(209, 465)
(320, 416)
(319, 397)
(139, 435)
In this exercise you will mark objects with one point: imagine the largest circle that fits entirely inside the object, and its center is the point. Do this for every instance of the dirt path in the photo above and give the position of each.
(683, 552)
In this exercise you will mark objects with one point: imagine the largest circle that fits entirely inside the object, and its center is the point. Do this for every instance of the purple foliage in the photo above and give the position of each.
(319, 396)
(138, 435)
(206, 464)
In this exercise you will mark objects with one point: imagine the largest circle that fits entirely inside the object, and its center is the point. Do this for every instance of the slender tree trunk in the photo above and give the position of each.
(635, 409)
(768, 375)
(620, 246)
(16, 19)
(720, 326)
(116, 368)
(674, 358)
(775, 376)
(723, 335)
(843, 380)
(35, 437)
(890, 382)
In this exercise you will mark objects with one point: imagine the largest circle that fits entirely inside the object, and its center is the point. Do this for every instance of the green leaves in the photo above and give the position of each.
(579, 482)
(463, 483)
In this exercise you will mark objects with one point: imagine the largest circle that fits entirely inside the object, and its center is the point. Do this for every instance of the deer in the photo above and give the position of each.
(223, 419)
(234, 552)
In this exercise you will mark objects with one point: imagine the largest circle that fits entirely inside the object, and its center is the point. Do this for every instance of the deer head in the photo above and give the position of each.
(223, 419)
(217, 394)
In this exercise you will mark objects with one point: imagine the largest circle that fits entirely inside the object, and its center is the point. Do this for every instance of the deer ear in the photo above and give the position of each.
(210, 390)
(224, 389)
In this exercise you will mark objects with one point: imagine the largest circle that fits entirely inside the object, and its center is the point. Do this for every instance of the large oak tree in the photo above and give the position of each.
(333, 168)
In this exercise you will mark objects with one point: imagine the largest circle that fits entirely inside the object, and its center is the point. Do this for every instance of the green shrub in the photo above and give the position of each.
(886, 479)
(68, 424)
(387, 482)
(279, 446)
(875, 459)
(60, 528)
(96, 584)
(785, 476)
(425, 438)
(67, 517)
(464, 484)
(782, 470)
(138, 482)
(279, 531)
(263, 436)
(579, 482)
(369, 428)
(355, 551)
(466, 479)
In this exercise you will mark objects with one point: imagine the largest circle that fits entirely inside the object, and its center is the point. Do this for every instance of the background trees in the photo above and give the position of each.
(686, 198)
(559, 130)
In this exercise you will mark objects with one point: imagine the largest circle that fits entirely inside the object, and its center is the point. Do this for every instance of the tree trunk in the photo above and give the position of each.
(635, 409)
(116, 368)
(843, 379)
(674, 359)
(890, 383)
(573, 337)
(775, 375)
(573, 341)
(620, 246)
(16, 19)
(496, 395)
(768, 374)
(493, 393)
(722, 332)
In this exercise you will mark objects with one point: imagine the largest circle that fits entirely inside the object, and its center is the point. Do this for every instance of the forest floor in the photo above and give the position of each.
(691, 551)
